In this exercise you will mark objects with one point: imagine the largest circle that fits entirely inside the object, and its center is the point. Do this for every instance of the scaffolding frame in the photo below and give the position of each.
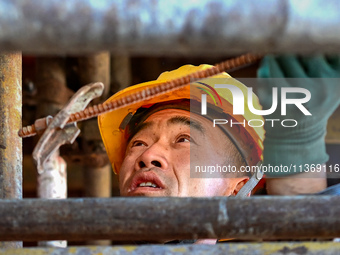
(207, 27)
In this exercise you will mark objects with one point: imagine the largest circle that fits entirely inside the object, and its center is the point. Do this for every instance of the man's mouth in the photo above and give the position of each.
(148, 184)
(146, 181)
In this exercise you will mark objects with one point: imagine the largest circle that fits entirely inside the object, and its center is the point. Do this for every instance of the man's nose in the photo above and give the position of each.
(154, 156)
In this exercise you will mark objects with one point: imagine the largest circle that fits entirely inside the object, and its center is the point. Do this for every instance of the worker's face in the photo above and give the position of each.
(157, 160)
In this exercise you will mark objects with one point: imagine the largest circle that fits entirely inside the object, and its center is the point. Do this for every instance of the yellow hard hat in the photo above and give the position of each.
(248, 140)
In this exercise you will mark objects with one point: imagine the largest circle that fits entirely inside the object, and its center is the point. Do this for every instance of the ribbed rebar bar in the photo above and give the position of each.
(150, 92)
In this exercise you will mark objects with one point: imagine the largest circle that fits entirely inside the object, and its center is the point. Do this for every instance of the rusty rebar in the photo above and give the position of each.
(153, 91)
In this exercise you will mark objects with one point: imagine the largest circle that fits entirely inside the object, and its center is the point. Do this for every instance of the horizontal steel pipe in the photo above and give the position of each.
(310, 248)
(170, 218)
(169, 27)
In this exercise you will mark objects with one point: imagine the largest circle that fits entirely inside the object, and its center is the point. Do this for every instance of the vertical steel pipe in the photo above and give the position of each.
(120, 73)
(95, 68)
(97, 181)
(10, 142)
(97, 177)
(52, 94)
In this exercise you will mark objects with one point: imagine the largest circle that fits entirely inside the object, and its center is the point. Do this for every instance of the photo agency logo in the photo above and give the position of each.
(289, 96)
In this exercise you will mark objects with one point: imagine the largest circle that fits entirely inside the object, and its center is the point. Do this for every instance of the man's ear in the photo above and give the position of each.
(238, 184)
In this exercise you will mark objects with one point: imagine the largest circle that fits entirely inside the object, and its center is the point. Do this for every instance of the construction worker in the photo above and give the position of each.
(156, 145)
(153, 143)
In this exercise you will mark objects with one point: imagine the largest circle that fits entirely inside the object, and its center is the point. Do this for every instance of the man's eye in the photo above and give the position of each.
(138, 143)
(183, 139)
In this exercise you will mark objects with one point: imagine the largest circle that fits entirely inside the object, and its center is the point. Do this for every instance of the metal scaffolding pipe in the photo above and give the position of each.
(10, 142)
(171, 218)
(230, 248)
(170, 27)
(52, 93)
(97, 177)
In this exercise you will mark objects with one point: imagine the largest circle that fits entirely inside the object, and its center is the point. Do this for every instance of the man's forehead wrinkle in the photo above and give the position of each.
(186, 121)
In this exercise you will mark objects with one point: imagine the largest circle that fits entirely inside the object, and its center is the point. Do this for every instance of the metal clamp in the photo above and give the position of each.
(57, 132)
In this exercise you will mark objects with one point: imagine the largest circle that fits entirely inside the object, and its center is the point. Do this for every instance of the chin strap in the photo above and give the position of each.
(253, 181)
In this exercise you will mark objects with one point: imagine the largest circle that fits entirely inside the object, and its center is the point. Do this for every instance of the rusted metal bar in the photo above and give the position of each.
(97, 181)
(10, 143)
(279, 248)
(10, 112)
(171, 218)
(52, 94)
(97, 176)
(150, 92)
(95, 68)
(169, 27)
(120, 73)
